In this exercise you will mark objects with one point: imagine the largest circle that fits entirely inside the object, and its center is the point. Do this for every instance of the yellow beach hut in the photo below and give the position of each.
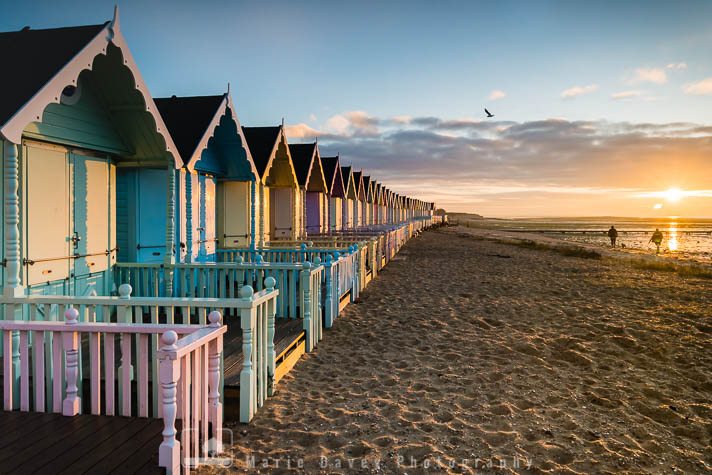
(279, 210)
(312, 186)
(349, 202)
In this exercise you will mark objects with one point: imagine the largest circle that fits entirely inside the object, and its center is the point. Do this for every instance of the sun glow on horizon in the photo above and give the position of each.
(673, 194)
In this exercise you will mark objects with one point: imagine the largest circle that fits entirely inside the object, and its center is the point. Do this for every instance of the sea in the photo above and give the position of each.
(684, 238)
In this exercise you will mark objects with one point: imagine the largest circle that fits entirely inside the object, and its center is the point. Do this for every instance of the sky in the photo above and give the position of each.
(599, 107)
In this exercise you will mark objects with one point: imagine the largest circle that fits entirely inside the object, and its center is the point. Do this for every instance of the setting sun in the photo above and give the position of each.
(674, 194)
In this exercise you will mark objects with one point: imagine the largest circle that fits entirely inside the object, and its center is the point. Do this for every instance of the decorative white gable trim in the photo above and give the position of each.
(51, 92)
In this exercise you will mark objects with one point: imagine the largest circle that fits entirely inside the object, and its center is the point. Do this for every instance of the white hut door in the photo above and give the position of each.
(90, 238)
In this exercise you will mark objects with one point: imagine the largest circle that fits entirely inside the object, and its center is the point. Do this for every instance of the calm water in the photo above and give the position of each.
(683, 238)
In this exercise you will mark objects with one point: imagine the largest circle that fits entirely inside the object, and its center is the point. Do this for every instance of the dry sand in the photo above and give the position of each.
(465, 351)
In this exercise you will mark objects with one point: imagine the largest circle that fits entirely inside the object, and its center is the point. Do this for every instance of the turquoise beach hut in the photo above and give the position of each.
(217, 184)
(85, 152)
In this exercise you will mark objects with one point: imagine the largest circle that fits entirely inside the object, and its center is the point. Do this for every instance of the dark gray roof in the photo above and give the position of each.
(302, 154)
(187, 119)
(33, 58)
(261, 142)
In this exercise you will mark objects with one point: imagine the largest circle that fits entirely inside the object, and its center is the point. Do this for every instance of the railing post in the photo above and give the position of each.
(305, 285)
(329, 301)
(316, 283)
(247, 375)
(271, 355)
(169, 372)
(124, 314)
(70, 340)
(215, 409)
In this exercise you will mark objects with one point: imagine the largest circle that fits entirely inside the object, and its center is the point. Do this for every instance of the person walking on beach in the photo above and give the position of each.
(656, 238)
(613, 234)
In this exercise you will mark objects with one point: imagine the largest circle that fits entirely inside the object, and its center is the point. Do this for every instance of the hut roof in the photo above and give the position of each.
(262, 142)
(332, 174)
(187, 119)
(36, 56)
(303, 157)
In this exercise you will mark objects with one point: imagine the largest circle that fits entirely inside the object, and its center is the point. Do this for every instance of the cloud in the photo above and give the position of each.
(312, 117)
(504, 166)
(401, 119)
(700, 88)
(654, 75)
(578, 91)
(626, 95)
(681, 66)
(494, 95)
(301, 131)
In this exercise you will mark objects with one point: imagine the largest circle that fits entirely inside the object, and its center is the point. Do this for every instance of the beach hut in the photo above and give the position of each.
(85, 151)
(279, 210)
(360, 199)
(368, 202)
(312, 186)
(336, 191)
(387, 201)
(347, 219)
(216, 186)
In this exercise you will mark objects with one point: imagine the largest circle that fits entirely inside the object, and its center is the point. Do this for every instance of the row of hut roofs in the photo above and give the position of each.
(104, 186)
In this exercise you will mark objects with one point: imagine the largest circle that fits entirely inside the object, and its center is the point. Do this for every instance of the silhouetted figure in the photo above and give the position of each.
(488, 114)
(613, 234)
(656, 238)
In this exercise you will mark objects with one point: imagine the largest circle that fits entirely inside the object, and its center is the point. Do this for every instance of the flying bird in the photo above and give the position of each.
(488, 114)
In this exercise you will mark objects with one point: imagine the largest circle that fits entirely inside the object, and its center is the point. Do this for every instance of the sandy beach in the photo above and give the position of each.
(468, 355)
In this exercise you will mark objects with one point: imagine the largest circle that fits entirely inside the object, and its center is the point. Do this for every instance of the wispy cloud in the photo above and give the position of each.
(700, 88)
(626, 95)
(681, 66)
(654, 75)
(312, 117)
(679, 193)
(578, 91)
(494, 95)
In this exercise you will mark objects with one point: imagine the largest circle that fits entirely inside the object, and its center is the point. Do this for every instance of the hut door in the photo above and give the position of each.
(151, 210)
(235, 213)
(281, 210)
(48, 200)
(207, 217)
(90, 240)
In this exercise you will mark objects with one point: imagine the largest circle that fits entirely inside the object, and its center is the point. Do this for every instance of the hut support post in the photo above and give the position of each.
(188, 216)
(13, 286)
(170, 227)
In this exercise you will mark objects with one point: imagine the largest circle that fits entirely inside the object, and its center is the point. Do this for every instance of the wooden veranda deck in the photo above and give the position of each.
(32, 442)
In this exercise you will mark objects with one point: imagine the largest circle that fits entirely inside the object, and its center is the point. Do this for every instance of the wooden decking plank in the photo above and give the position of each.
(38, 447)
(286, 332)
(107, 448)
(135, 451)
(15, 424)
(82, 442)
(36, 432)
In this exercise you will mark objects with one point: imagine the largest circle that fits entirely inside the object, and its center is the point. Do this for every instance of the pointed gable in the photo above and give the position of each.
(54, 69)
(358, 181)
(348, 176)
(187, 119)
(208, 134)
(262, 142)
(334, 178)
(368, 188)
(303, 158)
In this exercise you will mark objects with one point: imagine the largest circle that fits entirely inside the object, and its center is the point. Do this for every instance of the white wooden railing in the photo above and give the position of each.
(310, 304)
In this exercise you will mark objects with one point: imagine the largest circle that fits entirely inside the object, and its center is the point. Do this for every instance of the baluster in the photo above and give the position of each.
(95, 372)
(143, 375)
(70, 340)
(215, 411)
(125, 376)
(329, 302)
(39, 375)
(305, 284)
(271, 356)
(247, 317)
(169, 368)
